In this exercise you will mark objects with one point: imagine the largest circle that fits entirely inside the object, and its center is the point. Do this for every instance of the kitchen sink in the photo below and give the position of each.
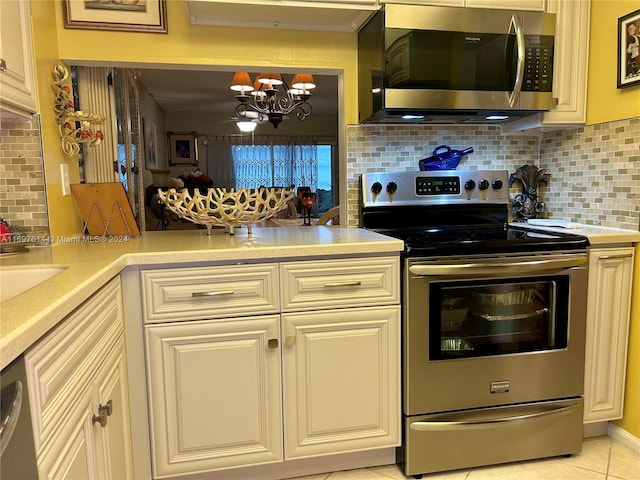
(15, 280)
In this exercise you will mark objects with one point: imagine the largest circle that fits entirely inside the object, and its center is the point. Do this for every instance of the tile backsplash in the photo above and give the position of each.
(22, 184)
(595, 170)
(595, 174)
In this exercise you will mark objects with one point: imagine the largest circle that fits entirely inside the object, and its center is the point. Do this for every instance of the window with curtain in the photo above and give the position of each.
(275, 164)
(274, 161)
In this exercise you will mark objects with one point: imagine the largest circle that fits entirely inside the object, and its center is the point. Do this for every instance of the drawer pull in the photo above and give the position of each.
(616, 257)
(3, 65)
(291, 340)
(272, 343)
(104, 411)
(355, 283)
(212, 294)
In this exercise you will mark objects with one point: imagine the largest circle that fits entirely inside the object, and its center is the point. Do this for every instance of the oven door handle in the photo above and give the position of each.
(436, 425)
(498, 268)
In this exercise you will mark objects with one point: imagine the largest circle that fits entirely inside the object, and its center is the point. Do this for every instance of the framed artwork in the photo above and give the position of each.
(124, 15)
(150, 144)
(183, 148)
(629, 50)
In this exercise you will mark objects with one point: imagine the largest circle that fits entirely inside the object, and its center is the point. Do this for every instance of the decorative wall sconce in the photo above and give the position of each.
(75, 127)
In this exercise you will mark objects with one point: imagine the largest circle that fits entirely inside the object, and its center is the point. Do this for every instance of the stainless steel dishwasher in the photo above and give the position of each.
(17, 451)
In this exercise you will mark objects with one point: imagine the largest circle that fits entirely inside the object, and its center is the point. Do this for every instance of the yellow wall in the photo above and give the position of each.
(64, 218)
(605, 102)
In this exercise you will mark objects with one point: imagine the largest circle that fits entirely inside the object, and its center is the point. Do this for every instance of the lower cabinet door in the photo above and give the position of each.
(341, 380)
(71, 454)
(111, 419)
(214, 394)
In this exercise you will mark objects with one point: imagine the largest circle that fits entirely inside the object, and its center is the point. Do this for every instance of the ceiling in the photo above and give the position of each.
(208, 91)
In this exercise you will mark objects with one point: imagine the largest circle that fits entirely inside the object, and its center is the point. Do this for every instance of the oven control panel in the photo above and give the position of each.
(435, 187)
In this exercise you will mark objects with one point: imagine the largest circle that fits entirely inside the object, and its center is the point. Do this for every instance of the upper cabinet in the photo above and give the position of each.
(570, 62)
(18, 92)
(330, 15)
(537, 5)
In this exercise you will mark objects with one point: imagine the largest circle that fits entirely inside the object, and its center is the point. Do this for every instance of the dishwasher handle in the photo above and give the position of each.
(498, 268)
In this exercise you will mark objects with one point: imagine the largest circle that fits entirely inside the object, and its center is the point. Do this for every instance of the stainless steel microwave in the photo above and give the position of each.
(452, 62)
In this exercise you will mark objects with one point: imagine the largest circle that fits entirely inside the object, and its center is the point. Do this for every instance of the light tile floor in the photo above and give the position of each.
(601, 459)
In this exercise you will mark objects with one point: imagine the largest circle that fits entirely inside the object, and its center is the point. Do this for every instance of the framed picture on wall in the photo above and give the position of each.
(183, 148)
(123, 15)
(150, 144)
(629, 50)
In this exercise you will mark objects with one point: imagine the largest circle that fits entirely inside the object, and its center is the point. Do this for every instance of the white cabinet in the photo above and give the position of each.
(341, 380)
(327, 15)
(18, 91)
(609, 300)
(536, 5)
(232, 386)
(214, 394)
(570, 66)
(78, 393)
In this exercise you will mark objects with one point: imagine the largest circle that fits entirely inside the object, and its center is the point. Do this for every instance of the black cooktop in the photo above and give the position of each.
(472, 239)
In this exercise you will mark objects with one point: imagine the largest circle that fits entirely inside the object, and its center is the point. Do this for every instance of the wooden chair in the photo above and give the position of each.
(331, 217)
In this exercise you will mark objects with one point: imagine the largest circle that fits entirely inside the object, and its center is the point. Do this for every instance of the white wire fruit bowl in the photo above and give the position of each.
(230, 208)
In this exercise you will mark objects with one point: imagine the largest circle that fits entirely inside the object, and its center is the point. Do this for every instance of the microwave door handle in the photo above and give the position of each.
(497, 268)
(516, 25)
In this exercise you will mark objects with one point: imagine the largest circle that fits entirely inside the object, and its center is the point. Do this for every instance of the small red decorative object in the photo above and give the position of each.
(5, 233)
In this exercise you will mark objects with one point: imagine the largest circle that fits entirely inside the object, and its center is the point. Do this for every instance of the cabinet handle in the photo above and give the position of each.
(291, 340)
(3, 65)
(355, 283)
(104, 411)
(272, 343)
(212, 294)
(613, 257)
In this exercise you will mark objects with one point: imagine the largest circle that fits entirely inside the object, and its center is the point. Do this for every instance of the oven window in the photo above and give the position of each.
(480, 318)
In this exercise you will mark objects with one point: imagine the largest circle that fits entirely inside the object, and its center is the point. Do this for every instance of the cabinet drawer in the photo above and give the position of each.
(61, 365)
(356, 282)
(209, 292)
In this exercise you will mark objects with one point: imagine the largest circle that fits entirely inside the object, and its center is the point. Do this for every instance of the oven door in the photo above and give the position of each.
(493, 330)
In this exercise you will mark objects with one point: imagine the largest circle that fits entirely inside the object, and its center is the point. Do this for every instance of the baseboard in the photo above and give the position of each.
(302, 467)
(622, 436)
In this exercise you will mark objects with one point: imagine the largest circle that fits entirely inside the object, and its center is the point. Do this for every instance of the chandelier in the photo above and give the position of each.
(264, 99)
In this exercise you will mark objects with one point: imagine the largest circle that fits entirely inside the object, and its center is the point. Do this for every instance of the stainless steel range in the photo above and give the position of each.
(493, 322)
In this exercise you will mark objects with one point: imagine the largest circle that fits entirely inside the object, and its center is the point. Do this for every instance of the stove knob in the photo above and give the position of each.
(376, 188)
(484, 184)
(469, 185)
(497, 184)
(391, 188)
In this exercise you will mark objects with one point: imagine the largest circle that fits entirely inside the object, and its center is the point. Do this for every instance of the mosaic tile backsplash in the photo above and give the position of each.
(22, 183)
(595, 170)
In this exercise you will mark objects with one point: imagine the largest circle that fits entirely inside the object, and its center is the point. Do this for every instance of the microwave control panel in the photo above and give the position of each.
(538, 64)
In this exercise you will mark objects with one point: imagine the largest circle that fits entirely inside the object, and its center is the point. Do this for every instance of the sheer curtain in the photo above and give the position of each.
(276, 161)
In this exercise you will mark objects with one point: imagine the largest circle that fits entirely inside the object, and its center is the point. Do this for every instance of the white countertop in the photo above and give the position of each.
(597, 235)
(27, 317)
